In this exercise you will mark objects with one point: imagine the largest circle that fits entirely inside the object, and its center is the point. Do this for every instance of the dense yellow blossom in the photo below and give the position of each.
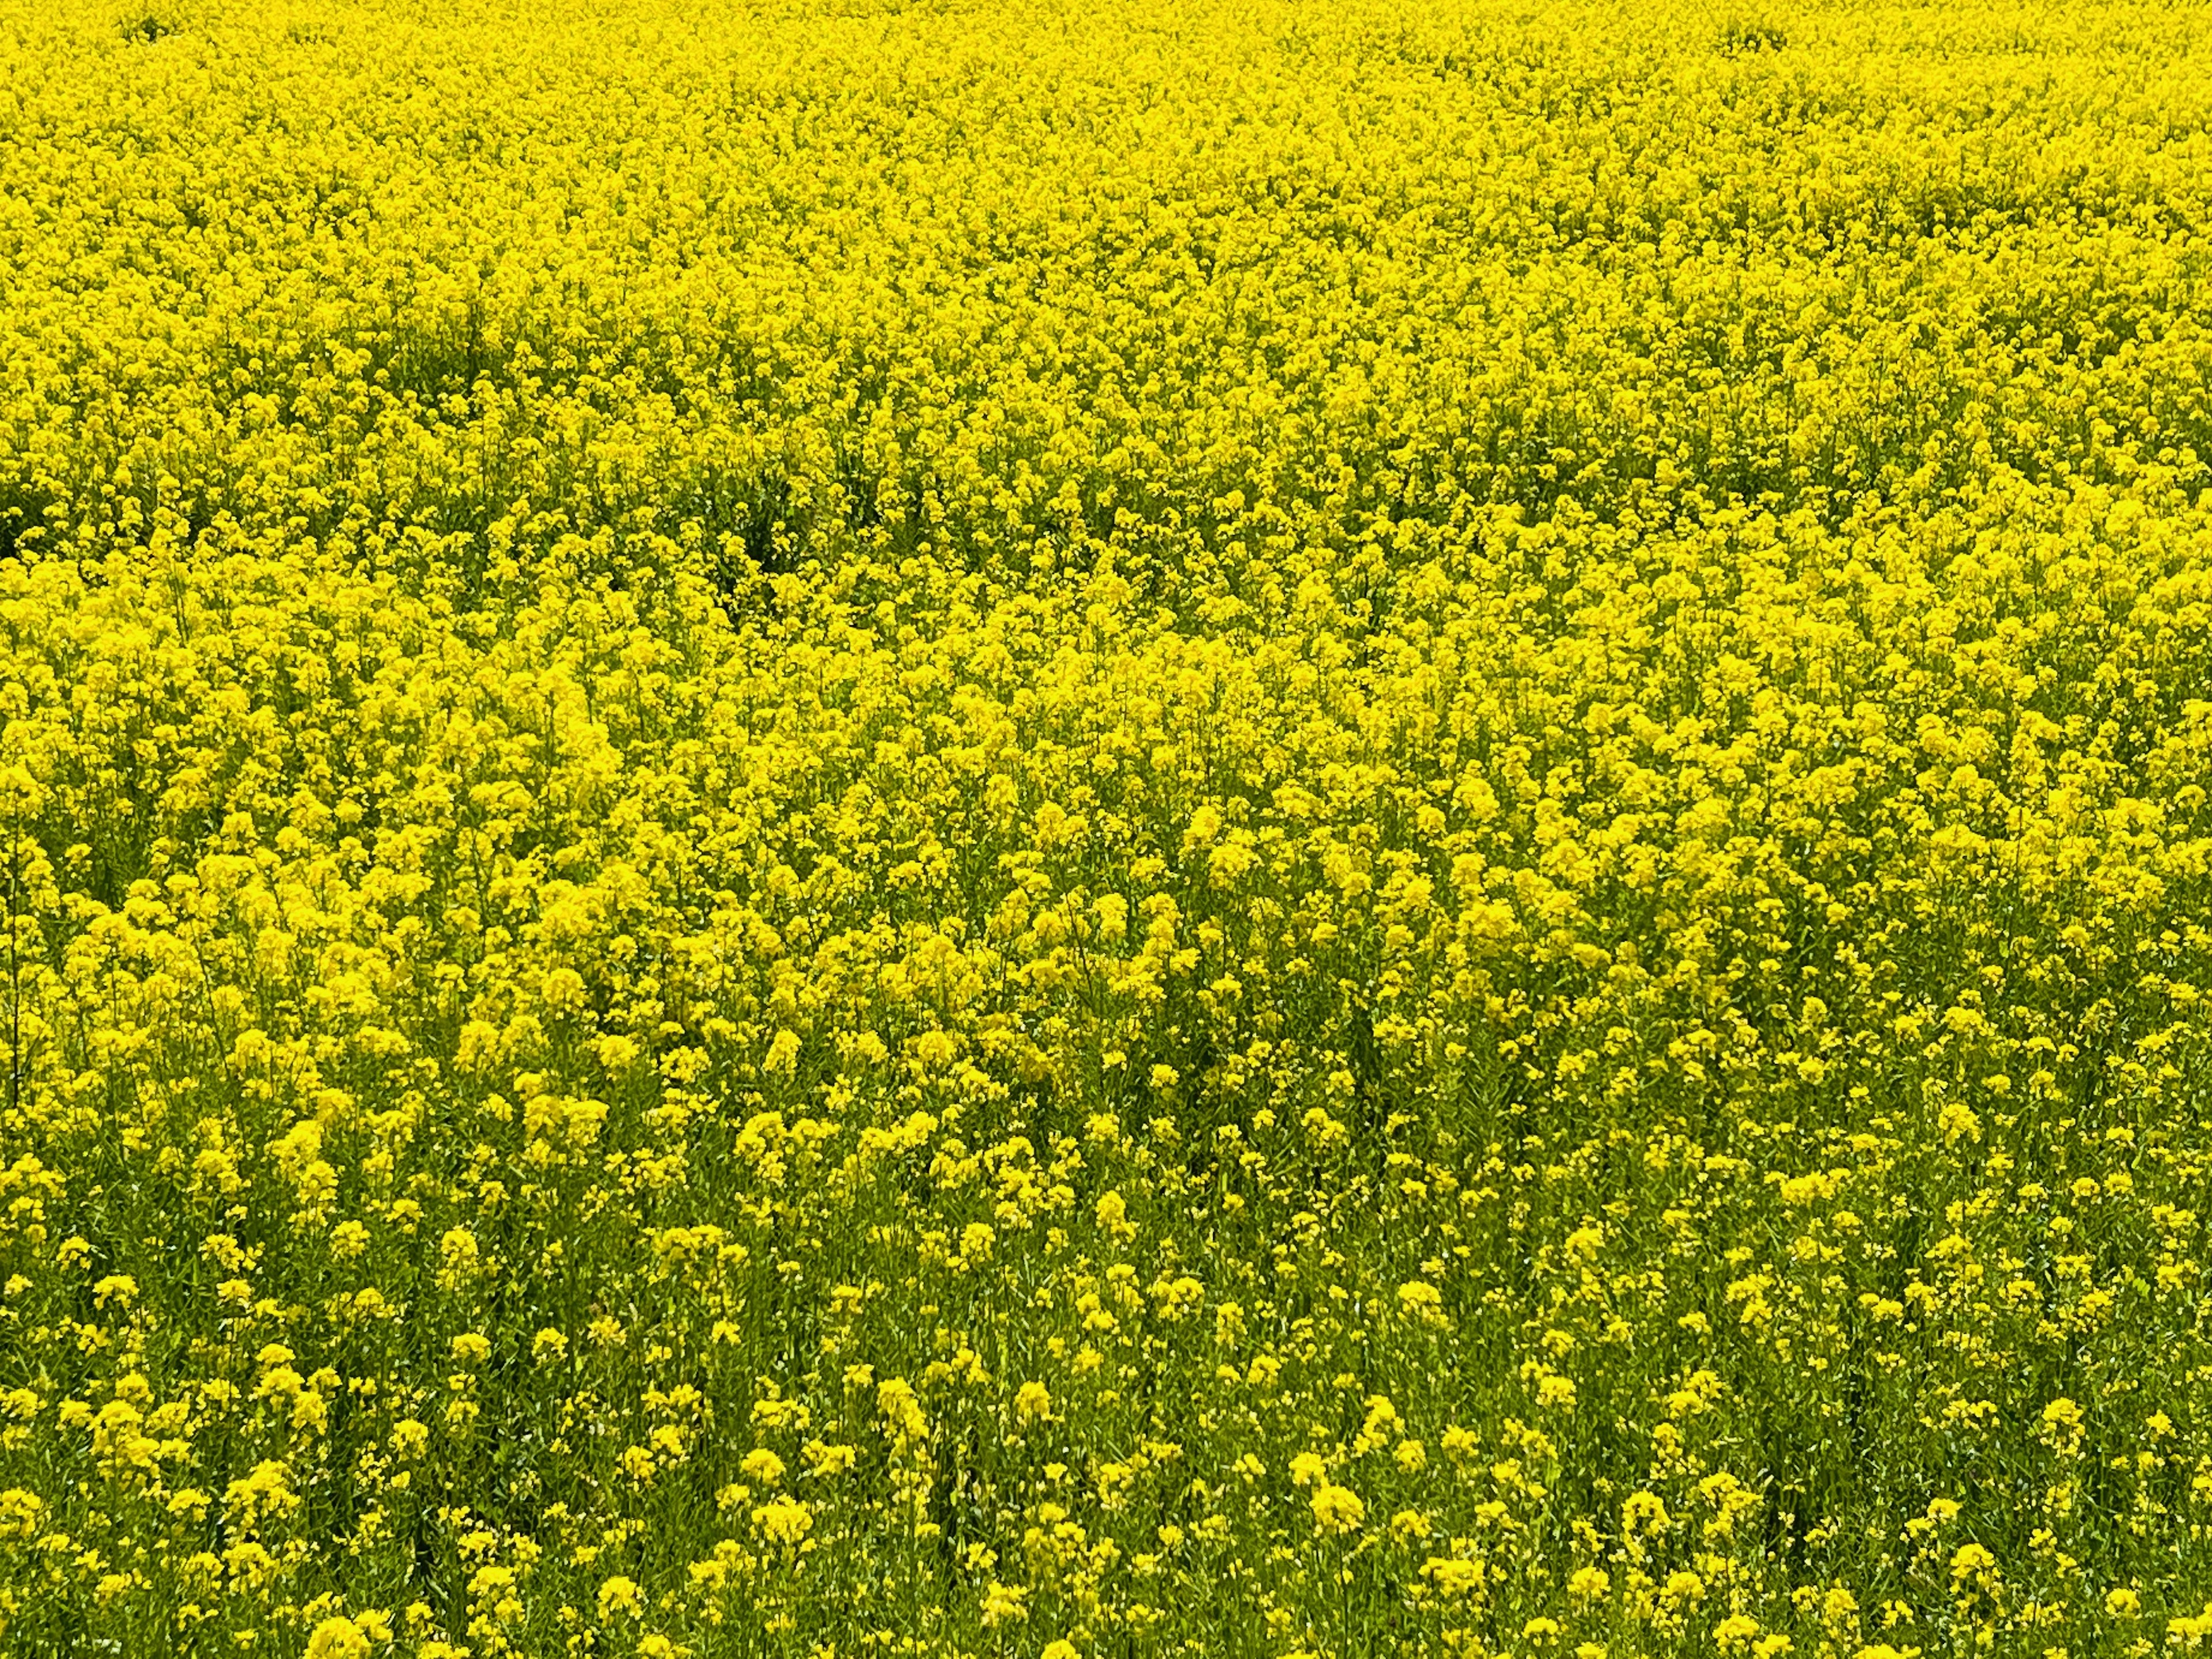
(1187, 827)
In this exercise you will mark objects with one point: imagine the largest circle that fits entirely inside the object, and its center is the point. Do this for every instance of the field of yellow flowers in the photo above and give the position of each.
(1034, 830)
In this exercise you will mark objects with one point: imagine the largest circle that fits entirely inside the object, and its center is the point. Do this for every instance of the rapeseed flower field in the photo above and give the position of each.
(1006, 829)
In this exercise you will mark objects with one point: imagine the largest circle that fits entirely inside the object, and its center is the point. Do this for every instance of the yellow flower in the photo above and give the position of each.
(19, 1513)
(1112, 1212)
(783, 1522)
(619, 1595)
(1453, 1576)
(337, 1637)
(1002, 1604)
(1972, 1560)
(1337, 1509)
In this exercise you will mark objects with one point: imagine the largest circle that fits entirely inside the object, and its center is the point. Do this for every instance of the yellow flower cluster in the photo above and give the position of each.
(1200, 827)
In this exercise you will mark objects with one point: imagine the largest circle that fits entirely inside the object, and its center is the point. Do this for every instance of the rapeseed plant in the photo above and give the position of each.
(1201, 829)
